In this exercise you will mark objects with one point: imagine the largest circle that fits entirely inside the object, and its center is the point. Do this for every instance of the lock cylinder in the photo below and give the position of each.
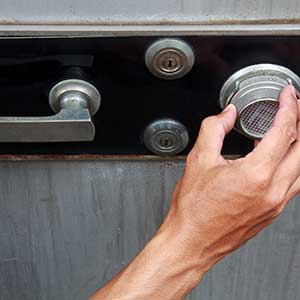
(166, 137)
(255, 92)
(169, 58)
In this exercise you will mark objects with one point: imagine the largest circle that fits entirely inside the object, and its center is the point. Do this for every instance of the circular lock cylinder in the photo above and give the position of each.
(169, 58)
(255, 92)
(166, 137)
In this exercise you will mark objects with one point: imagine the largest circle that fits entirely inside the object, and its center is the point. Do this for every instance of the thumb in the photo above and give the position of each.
(214, 129)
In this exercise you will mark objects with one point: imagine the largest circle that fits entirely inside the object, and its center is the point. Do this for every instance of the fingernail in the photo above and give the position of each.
(293, 90)
(286, 100)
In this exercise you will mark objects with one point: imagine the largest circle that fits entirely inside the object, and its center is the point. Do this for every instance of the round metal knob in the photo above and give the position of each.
(166, 137)
(73, 93)
(255, 91)
(169, 58)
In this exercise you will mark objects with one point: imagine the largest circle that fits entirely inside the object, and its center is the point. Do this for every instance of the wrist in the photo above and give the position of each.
(165, 269)
(179, 270)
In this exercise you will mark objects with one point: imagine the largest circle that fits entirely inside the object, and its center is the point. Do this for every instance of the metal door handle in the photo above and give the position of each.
(74, 101)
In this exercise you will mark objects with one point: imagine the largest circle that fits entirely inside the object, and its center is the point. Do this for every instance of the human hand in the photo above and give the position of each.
(219, 204)
(216, 206)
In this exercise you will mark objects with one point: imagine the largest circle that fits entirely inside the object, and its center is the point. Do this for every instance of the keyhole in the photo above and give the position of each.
(165, 142)
(170, 63)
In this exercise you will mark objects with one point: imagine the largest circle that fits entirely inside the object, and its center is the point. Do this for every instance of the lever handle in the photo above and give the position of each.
(74, 102)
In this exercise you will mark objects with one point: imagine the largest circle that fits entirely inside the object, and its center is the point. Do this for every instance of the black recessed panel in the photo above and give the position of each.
(131, 96)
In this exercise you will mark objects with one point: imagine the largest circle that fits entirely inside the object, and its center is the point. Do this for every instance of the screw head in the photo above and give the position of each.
(166, 137)
(169, 58)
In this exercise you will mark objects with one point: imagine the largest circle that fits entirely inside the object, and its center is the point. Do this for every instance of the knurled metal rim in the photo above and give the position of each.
(231, 86)
(256, 92)
(75, 85)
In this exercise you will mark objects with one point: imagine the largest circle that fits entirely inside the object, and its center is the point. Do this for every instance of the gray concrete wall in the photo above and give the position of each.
(153, 12)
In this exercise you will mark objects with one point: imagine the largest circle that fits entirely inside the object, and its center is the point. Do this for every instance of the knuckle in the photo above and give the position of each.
(279, 210)
(290, 132)
(262, 181)
(197, 159)
(263, 175)
(275, 210)
(258, 178)
(208, 122)
(275, 201)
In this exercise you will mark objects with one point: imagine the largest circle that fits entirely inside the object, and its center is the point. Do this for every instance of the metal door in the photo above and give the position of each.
(69, 223)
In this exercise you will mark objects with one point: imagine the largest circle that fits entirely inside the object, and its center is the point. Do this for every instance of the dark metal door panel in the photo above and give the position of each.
(66, 227)
(132, 97)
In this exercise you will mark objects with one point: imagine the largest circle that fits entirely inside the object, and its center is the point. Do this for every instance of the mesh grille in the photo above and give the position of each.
(258, 118)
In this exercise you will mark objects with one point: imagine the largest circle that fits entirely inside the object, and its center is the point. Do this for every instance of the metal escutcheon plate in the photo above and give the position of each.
(75, 85)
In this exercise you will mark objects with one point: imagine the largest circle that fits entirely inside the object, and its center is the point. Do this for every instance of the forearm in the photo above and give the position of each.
(163, 270)
(216, 207)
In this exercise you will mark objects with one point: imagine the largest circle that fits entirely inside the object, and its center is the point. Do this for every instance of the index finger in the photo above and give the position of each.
(276, 143)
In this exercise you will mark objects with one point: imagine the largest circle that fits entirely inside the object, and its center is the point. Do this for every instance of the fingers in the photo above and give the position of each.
(298, 104)
(256, 142)
(213, 130)
(276, 143)
(288, 170)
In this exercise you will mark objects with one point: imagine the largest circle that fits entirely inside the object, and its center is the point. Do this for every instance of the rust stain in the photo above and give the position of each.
(168, 161)
(84, 157)
(167, 164)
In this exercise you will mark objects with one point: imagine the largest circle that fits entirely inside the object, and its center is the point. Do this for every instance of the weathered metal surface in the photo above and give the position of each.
(148, 158)
(66, 227)
(69, 223)
(145, 12)
(288, 27)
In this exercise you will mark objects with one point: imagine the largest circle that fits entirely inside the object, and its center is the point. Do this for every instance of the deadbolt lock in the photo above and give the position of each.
(166, 137)
(169, 58)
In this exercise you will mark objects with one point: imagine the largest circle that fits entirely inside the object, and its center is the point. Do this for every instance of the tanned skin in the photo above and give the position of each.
(216, 206)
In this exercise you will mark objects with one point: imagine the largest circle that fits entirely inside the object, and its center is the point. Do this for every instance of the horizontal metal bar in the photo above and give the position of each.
(42, 31)
(66, 126)
(95, 157)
